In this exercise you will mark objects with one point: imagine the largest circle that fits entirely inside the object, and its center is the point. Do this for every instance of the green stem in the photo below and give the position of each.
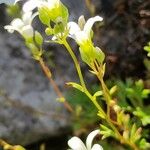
(119, 136)
(106, 95)
(69, 49)
(65, 43)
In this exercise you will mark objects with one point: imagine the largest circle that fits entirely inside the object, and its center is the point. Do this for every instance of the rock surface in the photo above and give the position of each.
(28, 108)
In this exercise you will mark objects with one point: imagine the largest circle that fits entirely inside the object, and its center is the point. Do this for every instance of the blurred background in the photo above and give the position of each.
(29, 112)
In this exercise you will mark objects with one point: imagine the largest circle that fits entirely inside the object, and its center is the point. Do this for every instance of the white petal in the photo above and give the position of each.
(17, 23)
(90, 138)
(16, 1)
(27, 31)
(53, 3)
(30, 5)
(81, 22)
(76, 144)
(27, 18)
(54, 38)
(73, 29)
(81, 37)
(9, 28)
(90, 22)
(97, 147)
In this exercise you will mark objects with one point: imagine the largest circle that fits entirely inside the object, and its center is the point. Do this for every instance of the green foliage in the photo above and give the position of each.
(56, 14)
(143, 144)
(34, 50)
(143, 115)
(38, 38)
(44, 16)
(90, 54)
(106, 132)
(85, 112)
(130, 93)
(147, 48)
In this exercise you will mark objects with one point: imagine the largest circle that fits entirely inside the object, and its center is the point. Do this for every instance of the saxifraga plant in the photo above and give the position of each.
(55, 12)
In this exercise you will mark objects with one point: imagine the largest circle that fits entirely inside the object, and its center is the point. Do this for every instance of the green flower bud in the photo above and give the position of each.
(44, 15)
(34, 50)
(38, 38)
(58, 28)
(53, 10)
(49, 31)
(90, 54)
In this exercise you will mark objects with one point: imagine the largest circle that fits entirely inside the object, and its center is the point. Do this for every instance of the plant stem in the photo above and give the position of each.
(77, 65)
(55, 87)
(106, 95)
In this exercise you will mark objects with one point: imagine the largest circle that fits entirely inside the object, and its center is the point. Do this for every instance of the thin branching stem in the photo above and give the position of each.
(48, 74)
(106, 95)
(77, 65)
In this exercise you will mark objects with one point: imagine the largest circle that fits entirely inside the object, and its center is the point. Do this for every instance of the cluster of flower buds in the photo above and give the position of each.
(54, 15)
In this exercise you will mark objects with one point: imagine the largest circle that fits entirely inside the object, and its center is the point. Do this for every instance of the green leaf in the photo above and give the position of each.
(99, 55)
(58, 28)
(106, 132)
(143, 144)
(133, 130)
(142, 115)
(38, 38)
(135, 134)
(100, 114)
(98, 93)
(113, 90)
(65, 13)
(147, 48)
(35, 51)
(145, 93)
(90, 54)
(75, 85)
(44, 15)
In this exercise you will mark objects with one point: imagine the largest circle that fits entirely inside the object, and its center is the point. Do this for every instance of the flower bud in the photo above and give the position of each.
(53, 10)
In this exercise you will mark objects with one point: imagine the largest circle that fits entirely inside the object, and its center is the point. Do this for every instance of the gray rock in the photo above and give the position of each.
(29, 111)
(28, 107)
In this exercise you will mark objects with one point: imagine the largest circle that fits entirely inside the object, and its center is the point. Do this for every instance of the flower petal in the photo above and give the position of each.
(81, 22)
(81, 37)
(27, 17)
(9, 28)
(27, 31)
(53, 3)
(73, 29)
(97, 147)
(9, 2)
(17, 23)
(89, 24)
(30, 5)
(76, 144)
(90, 138)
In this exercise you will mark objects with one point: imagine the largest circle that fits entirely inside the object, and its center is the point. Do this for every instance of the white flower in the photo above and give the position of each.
(32, 4)
(9, 2)
(76, 144)
(81, 32)
(23, 26)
